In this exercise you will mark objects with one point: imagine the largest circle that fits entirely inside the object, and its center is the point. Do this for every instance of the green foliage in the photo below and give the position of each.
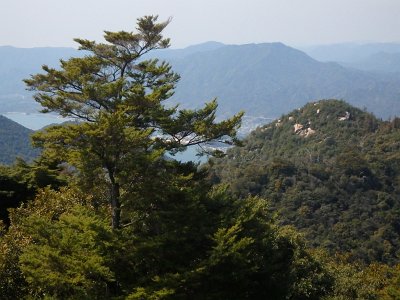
(339, 186)
(187, 245)
(66, 258)
(236, 252)
(392, 290)
(47, 207)
(355, 280)
(123, 126)
(13, 191)
(20, 182)
(12, 281)
(141, 294)
(251, 258)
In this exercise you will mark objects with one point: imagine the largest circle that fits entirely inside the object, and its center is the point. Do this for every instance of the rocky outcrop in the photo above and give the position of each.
(309, 132)
(298, 127)
(303, 132)
(345, 117)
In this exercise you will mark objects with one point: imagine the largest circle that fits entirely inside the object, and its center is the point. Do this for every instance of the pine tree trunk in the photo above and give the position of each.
(115, 206)
(114, 201)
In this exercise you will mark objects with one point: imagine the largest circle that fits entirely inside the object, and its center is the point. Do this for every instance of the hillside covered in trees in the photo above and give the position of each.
(15, 142)
(105, 213)
(329, 169)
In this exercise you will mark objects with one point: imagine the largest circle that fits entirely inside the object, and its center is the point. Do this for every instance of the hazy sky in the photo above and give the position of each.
(32, 23)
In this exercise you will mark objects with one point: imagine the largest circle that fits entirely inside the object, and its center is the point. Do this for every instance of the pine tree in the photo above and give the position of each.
(124, 127)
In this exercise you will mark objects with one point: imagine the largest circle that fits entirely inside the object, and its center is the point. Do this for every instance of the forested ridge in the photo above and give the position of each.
(15, 141)
(329, 169)
(105, 213)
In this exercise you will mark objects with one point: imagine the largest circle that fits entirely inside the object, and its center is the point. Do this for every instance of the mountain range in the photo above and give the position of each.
(349, 52)
(270, 79)
(17, 64)
(378, 57)
(265, 80)
(382, 62)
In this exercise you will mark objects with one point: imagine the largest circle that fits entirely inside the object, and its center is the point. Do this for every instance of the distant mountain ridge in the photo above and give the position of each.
(375, 57)
(180, 53)
(17, 64)
(379, 62)
(264, 80)
(349, 52)
(269, 79)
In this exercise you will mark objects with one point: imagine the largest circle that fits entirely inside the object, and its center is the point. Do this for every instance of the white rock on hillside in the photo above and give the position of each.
(346, 117)
(298, 127)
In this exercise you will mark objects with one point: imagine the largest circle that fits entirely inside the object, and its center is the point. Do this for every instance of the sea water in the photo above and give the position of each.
(36, 121)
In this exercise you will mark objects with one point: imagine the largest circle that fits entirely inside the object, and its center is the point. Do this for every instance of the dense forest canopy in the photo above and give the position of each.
(329, 169)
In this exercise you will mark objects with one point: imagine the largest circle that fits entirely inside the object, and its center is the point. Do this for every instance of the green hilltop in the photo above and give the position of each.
(329, 169)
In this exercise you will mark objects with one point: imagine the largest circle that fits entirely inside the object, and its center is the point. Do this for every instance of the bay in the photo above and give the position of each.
(36, 121)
